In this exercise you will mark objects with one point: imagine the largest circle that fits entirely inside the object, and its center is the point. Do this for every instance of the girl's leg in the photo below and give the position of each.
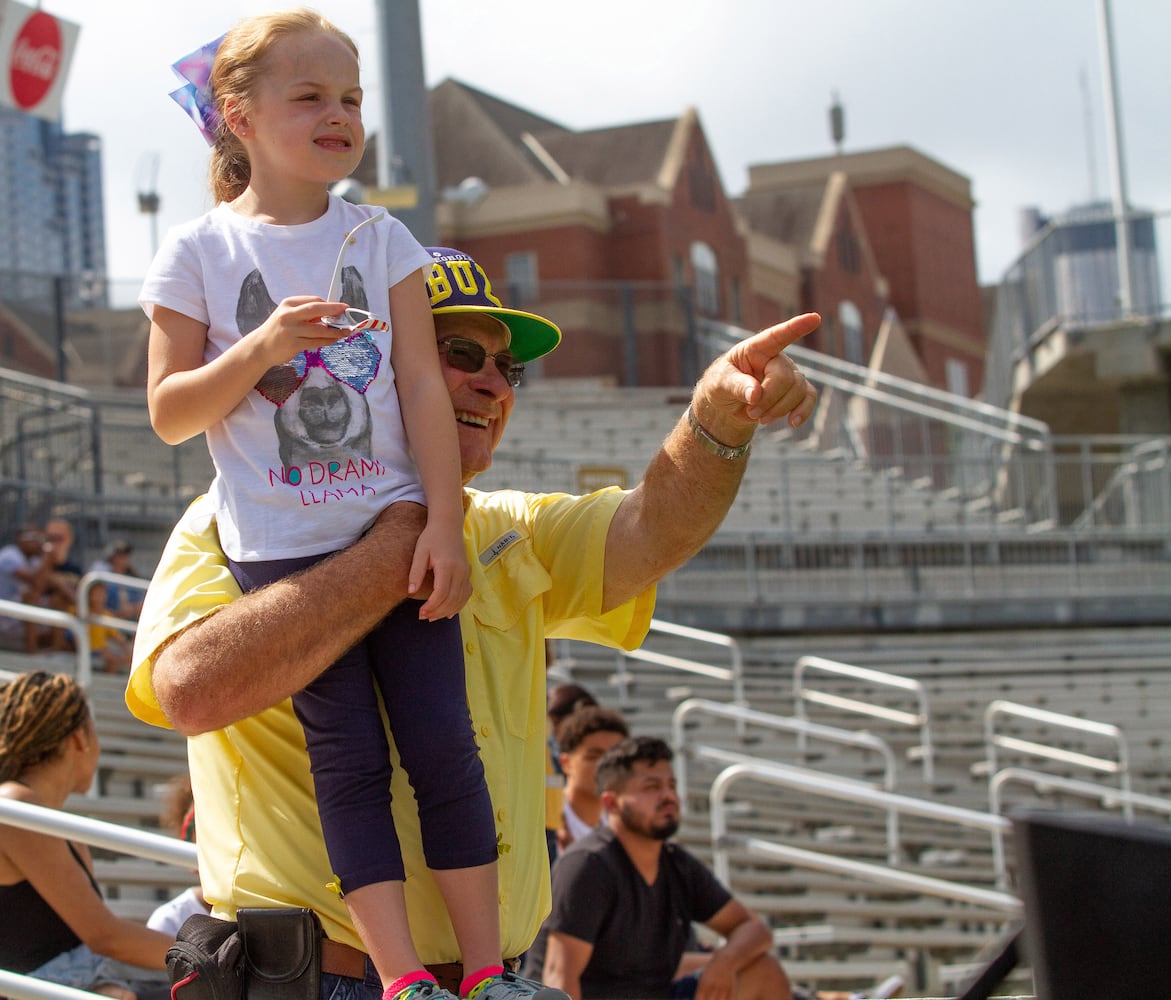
(419, 666)
(350, 760)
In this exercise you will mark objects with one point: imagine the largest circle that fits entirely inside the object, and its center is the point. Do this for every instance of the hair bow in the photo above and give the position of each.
(195, 96)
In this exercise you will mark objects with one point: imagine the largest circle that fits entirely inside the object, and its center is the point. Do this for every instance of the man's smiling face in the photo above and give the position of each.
(482, 400)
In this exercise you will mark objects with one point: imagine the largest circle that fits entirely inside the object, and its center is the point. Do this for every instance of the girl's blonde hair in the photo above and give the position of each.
(38, 712)
(238, 66)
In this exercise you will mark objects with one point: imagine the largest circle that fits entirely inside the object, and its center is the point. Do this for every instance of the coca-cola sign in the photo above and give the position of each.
(35, 59)
(35, 48)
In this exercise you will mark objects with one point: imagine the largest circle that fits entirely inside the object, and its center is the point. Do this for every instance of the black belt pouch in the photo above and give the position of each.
(282, 953)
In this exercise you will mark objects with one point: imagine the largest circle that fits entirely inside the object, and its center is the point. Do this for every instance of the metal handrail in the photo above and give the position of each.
(57, 619)
(98, 833)
(920, 719)
(833, 734)
(19, 987)
(733, 674)
(77, 623)
(86, 584)
(1107, 795)
(867, 741)
(1103, 765)
(864, 381)
(814, 784)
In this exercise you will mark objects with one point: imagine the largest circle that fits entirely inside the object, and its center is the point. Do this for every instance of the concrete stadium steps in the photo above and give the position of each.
(1121, 676)
(787, 487)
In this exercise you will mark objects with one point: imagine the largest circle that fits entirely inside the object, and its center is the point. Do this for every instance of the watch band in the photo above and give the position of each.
(709, 443)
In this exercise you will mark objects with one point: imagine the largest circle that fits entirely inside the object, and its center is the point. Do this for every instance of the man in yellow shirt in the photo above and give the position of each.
(220, 668)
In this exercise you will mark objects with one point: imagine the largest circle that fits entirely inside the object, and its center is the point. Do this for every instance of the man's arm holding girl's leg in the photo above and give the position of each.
(268, 644)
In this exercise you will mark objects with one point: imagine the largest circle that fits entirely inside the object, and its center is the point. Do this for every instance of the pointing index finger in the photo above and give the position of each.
(771, 342)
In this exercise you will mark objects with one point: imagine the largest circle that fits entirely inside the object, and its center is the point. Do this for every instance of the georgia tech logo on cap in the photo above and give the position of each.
(457, 280)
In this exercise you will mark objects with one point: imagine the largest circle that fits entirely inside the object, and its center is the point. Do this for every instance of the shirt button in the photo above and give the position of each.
(484, 730)
(469, 647)
(500, 815)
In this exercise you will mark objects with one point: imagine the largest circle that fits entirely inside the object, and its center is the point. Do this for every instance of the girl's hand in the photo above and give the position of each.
(442, 553)
(294, 326)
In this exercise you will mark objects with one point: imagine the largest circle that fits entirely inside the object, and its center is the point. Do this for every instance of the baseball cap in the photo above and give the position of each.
(456, 284)
(119, 547)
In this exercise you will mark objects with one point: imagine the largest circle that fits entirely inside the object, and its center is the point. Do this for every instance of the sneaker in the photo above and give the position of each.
(510, 986)
(424, 989)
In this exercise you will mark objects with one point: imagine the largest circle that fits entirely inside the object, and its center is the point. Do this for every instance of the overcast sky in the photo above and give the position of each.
(1009, 93)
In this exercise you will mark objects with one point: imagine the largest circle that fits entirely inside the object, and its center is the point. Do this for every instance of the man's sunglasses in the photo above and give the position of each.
(469, 356)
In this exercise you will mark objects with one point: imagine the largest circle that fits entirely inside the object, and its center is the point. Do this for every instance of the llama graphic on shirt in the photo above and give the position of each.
(322, 415)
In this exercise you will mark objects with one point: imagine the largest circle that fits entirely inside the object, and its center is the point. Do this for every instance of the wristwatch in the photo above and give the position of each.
(709, 443)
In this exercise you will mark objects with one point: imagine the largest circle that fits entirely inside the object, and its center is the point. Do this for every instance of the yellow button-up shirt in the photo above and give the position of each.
(537, 569)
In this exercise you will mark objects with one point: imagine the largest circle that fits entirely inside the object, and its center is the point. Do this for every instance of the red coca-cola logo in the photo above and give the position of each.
(35, 60)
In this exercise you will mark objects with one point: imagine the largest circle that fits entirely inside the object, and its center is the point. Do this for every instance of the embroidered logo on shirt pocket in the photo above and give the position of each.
(503, 543)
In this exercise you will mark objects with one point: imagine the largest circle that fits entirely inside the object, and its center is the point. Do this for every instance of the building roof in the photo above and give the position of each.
(478, 135)
(612, 157)
(891, 164)
(788, 215)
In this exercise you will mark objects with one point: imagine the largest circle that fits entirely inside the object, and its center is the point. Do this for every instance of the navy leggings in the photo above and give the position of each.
(418, 668)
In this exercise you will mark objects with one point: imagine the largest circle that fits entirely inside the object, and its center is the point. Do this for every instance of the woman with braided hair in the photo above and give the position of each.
(55, 924)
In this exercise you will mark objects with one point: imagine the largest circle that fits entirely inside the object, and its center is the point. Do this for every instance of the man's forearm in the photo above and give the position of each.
(683, 497)
(745, 943)
(692, 481)
(557, 976)
(268, 644)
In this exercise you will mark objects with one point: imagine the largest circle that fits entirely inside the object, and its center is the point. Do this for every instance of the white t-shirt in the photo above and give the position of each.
(577, 826)
(310, 456)
(12, 560)
(169, 916)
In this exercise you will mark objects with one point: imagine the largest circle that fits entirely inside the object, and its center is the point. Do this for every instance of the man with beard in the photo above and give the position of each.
(624, 900)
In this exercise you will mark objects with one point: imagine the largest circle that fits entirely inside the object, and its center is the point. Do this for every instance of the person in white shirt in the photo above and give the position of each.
(178, 816)
(583, 737)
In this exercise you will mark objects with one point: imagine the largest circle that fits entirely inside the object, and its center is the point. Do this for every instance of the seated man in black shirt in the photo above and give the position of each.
(624, 901)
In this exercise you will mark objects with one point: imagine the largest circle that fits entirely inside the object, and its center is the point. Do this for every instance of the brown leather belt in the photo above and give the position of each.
(341, 960)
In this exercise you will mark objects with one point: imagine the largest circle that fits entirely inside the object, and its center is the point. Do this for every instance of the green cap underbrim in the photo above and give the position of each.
(532, 337)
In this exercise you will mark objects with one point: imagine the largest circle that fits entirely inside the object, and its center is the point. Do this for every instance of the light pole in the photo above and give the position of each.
(148, 196)
(406, 157)
(1117, 160)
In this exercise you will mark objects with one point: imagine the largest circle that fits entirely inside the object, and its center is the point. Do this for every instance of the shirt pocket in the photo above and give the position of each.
(511, 634)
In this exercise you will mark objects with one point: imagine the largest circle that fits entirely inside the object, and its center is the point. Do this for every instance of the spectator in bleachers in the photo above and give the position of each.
(561, 701)
(178, 816)
(57, 927)
(565, 699)
(109, 647)
(625, 899)
(19, 562)
(54, 584)
(121, 600)
(583, 738)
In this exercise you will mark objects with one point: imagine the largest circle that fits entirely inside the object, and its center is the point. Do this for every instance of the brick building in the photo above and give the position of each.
(624, 235)
(904, 214)
(599, 229)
